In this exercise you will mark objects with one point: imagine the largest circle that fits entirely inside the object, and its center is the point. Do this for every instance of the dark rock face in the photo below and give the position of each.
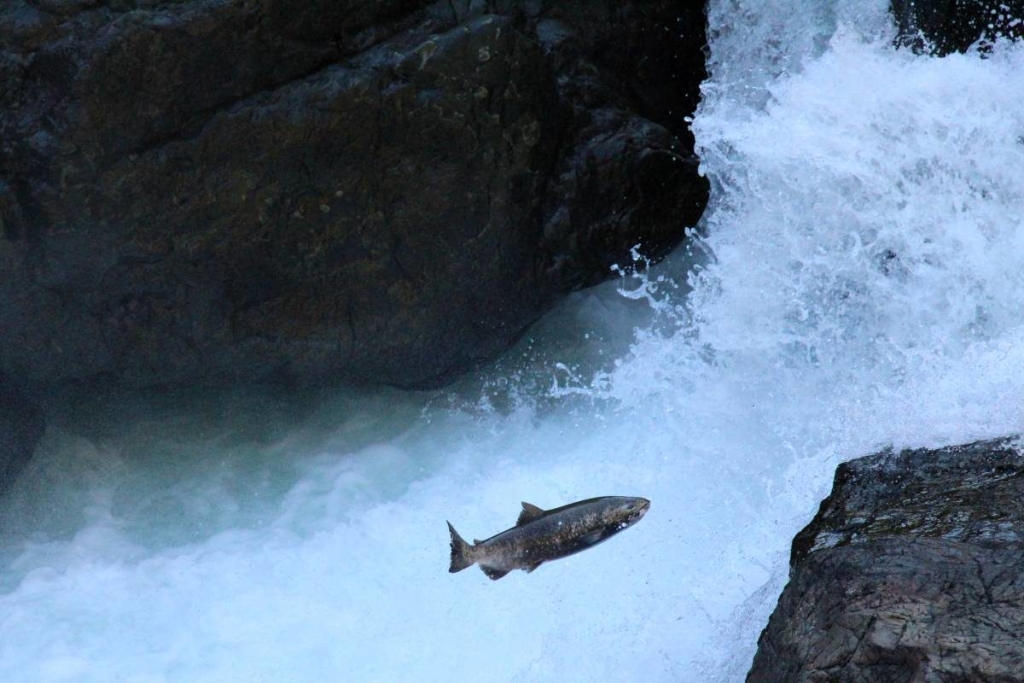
(911, 571)
(201, 191)
(944, 26)
(21, 426)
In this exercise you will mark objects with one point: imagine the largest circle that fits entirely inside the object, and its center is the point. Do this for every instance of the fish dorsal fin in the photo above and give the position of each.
(529, 513)
(494, 574)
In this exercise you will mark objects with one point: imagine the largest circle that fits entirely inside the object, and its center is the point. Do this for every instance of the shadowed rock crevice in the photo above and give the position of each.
(212, 191)
(909, 572)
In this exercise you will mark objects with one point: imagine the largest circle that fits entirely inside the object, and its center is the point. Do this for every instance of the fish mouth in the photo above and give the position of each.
(638, 510)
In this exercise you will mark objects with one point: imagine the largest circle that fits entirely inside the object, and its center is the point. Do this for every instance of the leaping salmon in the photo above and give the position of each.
(542, 535)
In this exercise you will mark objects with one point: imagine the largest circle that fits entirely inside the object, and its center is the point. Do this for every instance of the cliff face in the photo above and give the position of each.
(201, 191)
(943, 26)
(911, 571)
(21, 427)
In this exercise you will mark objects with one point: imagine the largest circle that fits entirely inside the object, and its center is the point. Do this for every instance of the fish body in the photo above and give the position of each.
(543, 535)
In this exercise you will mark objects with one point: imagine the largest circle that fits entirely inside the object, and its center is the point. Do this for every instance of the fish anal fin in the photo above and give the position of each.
(530, 567)
(494, 574)
(529, 513)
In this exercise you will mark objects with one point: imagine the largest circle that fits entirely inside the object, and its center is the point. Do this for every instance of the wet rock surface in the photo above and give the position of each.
(911, 571)
(209, 191)
(21, 427)
(944, 26)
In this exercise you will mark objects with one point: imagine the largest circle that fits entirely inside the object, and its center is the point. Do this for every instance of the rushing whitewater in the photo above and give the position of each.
(856, 284)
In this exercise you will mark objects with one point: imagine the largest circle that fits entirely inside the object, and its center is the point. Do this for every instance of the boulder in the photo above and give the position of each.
(940, 27)
(213, 191)
(21, 427)
(911, 571)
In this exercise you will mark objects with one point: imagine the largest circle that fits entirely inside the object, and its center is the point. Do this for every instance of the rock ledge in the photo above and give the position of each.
(911, 571)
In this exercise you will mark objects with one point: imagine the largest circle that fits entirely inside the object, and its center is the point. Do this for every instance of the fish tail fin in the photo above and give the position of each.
(460, 552)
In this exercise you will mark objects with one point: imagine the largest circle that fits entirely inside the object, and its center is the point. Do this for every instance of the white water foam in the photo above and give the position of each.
(859, 288)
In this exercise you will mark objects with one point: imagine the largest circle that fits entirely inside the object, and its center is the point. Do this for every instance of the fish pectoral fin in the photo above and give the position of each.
(530, 567)
(593, 537)
(494, 574)
(529, 513)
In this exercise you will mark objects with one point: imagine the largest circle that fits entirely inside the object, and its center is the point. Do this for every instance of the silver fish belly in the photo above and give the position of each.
(542, 535)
